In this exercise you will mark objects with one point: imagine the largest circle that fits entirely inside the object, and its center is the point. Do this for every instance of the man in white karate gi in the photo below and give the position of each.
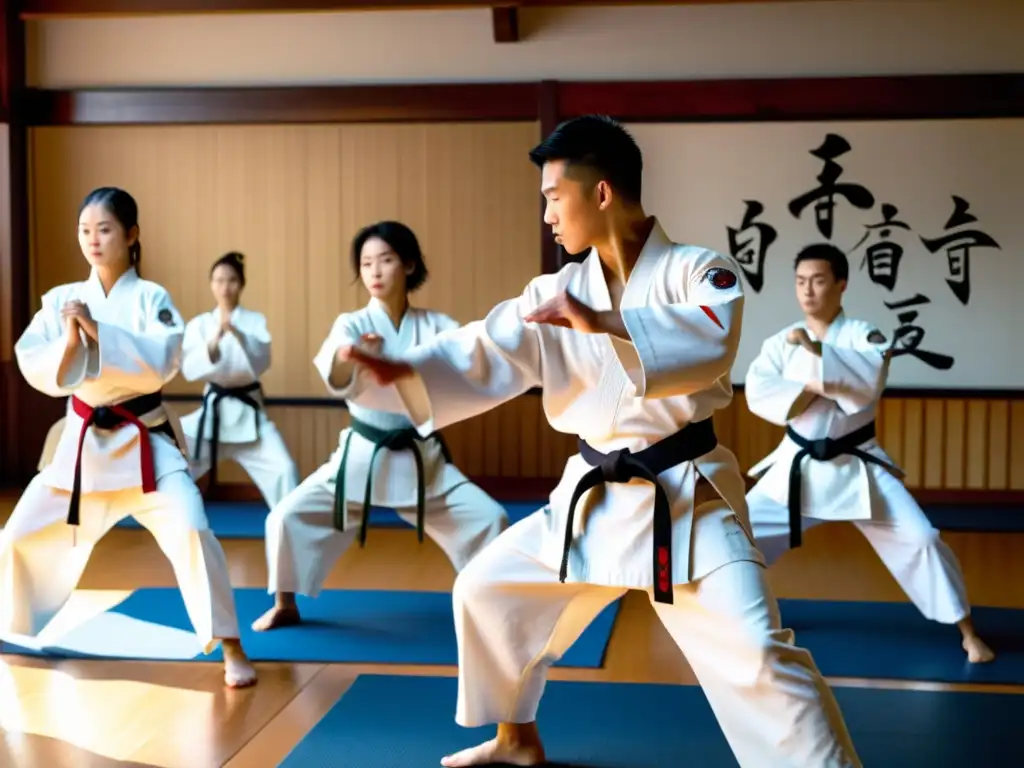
(633, 349)
(822, 379)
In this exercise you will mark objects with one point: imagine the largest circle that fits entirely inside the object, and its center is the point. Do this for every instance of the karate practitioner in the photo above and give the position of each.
(110, 344)
(633, 349)
(381, 459)
(229, 349)
(822, 379)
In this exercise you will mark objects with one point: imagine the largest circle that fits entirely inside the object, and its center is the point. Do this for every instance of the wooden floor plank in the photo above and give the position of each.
(105, 714)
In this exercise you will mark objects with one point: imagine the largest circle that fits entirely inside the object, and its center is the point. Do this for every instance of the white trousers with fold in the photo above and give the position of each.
(42, 558)
(303, 544)
(514, 619)
(903, 538)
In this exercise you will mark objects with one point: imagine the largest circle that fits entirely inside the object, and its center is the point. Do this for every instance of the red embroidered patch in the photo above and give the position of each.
(721, 278)
(708, 311)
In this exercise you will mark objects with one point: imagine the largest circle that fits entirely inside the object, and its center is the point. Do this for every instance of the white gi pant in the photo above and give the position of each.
(303, 544)
(267, 461)
(910, 547)
(514, 619)
(42, 558)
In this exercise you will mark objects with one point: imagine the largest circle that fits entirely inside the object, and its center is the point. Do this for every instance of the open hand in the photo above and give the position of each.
(78, 312)
(565, 311)
(384, 371)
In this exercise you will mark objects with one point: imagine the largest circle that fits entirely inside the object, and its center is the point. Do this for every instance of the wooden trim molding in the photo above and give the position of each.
(473, 102)
(849, 98)
(896, 393)
(536, 488)
(81, 8)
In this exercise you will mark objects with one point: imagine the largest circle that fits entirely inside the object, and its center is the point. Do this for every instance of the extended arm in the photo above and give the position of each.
(685, 346)
(51, 360)
(146, 359)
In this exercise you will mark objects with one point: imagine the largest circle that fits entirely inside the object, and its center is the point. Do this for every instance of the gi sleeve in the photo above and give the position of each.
(686, 345)
(41, 349)
(769, 393)
(145, 360)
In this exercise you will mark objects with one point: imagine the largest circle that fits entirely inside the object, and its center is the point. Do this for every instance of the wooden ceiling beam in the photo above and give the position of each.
(86, 8)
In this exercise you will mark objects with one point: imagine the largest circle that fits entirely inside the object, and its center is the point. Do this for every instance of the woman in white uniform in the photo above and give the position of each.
(380, 459)
(229, 349)
(109, 344)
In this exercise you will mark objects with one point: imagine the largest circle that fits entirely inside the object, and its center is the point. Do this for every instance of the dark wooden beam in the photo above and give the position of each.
(341, 104)
(69, 8)
(505, 21)
(547, 110)
(850, 98)
(833, 98)
(17, 400)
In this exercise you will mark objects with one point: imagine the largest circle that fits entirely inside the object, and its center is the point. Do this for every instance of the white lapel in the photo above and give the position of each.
(93, 291)
(646, 268)
(396, 338)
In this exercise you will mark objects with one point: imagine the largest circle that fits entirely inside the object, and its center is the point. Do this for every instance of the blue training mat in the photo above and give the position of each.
(245, 519)
(894, 641)
(407, 722)
(341, 626)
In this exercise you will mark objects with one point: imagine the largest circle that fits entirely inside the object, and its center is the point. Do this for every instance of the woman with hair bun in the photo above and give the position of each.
(229, 349)
(110, 344)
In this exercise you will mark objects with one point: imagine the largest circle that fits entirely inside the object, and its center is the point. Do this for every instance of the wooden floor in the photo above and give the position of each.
(79, 714)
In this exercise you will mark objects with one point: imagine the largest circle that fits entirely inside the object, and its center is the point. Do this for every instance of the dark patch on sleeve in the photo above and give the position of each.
(166, 317)
(876, 337)
(721, 278)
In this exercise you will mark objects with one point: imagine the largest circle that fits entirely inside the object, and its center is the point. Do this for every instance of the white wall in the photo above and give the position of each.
(724, 40)
(698, 178)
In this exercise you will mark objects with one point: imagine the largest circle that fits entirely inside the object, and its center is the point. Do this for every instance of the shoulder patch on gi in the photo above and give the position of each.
(876, 337)
(720, 278)
(165, 317)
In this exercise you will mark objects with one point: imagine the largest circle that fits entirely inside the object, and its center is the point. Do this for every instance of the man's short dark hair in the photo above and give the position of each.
(597, 144)
(836, 259)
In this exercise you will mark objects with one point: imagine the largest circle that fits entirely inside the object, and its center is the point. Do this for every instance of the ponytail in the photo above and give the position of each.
(135, 256)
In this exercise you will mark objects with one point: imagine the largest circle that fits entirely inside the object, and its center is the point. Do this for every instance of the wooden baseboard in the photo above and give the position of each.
(537, 488)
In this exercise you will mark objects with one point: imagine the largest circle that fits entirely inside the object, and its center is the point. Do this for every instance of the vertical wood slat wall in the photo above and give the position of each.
(291, 197)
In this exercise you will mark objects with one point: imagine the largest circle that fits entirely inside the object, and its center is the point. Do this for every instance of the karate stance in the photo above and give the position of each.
(633, 349)
(381, 459)
(822, 379)
(229, 349)
(110, 344)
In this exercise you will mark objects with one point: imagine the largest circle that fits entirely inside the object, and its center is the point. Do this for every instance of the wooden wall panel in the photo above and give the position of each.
(291, 198)
(515, 442)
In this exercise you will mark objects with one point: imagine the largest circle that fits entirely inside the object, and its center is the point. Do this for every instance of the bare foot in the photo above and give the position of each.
(977, 651)
(515, 744)
(238, 670)
(494, 753)
(278, 616)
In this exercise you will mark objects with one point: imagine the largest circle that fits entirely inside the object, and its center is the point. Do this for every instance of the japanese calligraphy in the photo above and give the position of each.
(908, 335)
(749, 243)
(958, 242)
(824, 196)
(883, 257)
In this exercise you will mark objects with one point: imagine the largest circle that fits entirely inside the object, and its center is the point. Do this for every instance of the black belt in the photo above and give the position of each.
(218, 393)
(689, 443)
(115, 416)
(824, 449)
(394, 440)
